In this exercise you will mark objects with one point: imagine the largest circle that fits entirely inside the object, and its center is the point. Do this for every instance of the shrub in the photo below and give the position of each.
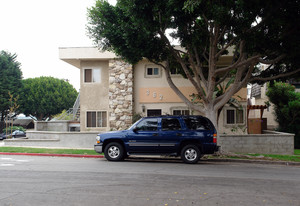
(287, 108)
(14, 128)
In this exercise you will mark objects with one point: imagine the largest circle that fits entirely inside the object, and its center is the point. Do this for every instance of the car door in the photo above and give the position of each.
(144, 137)
(170, 134)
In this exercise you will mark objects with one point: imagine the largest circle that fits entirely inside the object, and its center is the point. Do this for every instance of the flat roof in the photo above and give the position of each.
(73, 55)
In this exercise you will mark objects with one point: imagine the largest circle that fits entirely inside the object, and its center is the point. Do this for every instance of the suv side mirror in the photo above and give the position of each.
(135, 130)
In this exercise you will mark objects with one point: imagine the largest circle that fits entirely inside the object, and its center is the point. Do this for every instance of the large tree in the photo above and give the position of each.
(10, 80)
(252, 32)
(43, 97)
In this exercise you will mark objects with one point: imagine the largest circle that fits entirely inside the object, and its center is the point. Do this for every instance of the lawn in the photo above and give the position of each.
(47, 151)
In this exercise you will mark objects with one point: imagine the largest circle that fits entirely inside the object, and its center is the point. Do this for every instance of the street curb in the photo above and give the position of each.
(53, 155)
(162, 158)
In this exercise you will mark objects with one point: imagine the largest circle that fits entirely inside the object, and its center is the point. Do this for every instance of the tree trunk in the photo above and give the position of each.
(211, 114)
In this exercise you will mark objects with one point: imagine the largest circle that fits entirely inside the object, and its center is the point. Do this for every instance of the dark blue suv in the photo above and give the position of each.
(187, 136)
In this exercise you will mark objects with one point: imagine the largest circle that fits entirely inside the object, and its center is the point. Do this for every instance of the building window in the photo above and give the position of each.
(234, 116)
(152, 71)
(96, 119)
(181, 112)
(174, 71)
(92, 75)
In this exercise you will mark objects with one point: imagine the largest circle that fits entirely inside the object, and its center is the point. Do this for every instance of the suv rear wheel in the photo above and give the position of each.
(190, 154)
(114, 151)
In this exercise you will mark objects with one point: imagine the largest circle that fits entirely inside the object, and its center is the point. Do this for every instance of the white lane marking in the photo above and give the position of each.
(6, 165)
(4, 158)
(8, 162)
(23, 160)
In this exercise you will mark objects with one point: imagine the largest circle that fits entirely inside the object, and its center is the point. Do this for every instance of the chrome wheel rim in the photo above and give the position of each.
(190, 154)
(113, 152)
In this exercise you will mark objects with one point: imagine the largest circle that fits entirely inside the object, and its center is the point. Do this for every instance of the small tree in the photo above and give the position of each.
(43, 97)
(13, 107)
(287, 108)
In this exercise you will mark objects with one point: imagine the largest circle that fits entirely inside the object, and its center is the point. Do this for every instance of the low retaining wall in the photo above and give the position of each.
(61, 125)
(270, 142)
(55, 139)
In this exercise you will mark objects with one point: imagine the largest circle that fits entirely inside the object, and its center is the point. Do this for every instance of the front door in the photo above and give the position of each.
(144, 138)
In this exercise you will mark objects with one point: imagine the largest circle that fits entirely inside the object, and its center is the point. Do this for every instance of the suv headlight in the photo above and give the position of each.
(98, 139)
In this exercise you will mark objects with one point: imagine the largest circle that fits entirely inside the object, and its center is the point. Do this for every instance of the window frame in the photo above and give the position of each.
(92, 77)
(181, 109)
(95, 121)
(152, 66)
(235, 121)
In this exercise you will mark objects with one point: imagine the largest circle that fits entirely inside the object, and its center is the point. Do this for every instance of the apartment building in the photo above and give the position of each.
(112, 91)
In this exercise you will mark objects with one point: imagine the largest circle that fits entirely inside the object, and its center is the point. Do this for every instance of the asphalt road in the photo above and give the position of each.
(28, 180)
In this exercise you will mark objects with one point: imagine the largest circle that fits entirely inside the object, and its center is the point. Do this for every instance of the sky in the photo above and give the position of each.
(35, 29)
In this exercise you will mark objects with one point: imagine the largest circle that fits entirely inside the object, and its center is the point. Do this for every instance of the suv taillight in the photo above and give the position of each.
(215, 138)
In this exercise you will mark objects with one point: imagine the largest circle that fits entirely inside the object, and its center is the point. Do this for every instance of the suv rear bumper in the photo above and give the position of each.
(98, 148)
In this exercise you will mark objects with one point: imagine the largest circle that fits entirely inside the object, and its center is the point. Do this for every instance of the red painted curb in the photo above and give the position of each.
(53, 155)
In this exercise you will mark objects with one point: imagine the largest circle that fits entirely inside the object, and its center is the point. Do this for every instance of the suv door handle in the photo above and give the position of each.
(178, 134)
(154, 134)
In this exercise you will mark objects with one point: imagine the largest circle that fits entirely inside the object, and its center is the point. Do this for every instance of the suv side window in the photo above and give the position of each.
(147, 125)
(168, 124)
(197, 123)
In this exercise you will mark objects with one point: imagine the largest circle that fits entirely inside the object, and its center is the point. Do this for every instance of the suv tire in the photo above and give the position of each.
(190, 154)
(114, 151)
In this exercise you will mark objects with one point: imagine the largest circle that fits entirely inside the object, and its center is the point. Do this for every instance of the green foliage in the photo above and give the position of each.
(63, 116)
(251, 32)
(136, 117)
(13, 128)
(43, 97)
(10, 80)
(287, 108)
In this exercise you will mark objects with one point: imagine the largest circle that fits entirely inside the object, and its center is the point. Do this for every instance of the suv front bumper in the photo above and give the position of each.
(98, 148)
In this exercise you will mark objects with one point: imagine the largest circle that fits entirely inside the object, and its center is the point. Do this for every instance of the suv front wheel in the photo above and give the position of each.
(190, 154)
(114, 151)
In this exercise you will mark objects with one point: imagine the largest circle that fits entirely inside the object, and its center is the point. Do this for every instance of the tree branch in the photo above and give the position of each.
(265, 79)
(179, 59)
(273, 61)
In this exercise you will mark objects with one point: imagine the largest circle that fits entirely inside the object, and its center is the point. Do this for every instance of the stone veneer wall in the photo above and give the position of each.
(120, 94)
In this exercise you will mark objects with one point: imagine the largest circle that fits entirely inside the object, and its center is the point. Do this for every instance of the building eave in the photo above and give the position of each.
(74, 55)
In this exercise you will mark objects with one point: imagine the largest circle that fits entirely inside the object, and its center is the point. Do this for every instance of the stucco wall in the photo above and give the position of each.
(268, 113)
(267, 143)
(93, 96)
(58, 126)
(155, 93)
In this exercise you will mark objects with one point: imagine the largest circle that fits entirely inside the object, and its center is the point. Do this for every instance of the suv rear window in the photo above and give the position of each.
(197, 123)
(168, 124)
